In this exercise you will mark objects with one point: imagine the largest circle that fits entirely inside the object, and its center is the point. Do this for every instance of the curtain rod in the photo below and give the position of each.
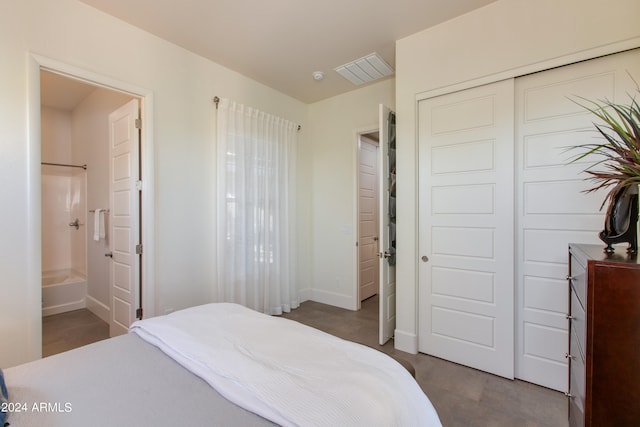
(216, 100)
(62, 164)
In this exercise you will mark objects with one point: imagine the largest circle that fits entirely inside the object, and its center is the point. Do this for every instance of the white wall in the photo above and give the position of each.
(504, 39)
(333, 126)
(56, 136)
(183, 85)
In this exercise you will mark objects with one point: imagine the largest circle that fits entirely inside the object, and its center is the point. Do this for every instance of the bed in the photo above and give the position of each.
(217, 365)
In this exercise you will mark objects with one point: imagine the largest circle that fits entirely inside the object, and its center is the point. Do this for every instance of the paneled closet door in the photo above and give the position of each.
(552, 210)
(466, 227)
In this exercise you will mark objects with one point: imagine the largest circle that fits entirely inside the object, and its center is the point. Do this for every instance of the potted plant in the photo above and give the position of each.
(618, 169)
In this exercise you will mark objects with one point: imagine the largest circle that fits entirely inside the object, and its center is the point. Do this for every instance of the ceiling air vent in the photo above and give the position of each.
(365, 70)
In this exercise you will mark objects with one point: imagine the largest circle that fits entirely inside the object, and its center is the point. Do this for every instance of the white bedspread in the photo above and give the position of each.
(287, 372)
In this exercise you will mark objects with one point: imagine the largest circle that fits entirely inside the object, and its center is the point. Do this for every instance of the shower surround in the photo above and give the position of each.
(64, 254)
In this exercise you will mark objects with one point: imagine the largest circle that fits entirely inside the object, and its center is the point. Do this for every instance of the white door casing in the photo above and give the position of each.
(387, 292)
(368, 276)
(124, 142)
(552, 210)
(466, 227)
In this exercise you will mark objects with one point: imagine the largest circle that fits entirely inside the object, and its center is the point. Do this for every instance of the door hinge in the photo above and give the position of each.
(138, 124)
(139, 313)
(138, 249)
(139, 185)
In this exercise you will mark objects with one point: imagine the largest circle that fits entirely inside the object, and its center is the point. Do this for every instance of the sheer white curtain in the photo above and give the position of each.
(256, 213)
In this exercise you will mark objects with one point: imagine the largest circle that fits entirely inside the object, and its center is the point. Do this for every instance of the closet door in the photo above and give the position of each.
(552, 210)
(466, 227)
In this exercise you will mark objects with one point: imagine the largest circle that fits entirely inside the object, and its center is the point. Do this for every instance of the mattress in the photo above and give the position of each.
(120, 381)
(217, 365)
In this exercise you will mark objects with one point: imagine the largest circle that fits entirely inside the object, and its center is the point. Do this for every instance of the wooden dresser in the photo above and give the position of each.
(604, 338)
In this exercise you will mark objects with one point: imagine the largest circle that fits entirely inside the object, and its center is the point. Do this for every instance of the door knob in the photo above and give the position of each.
(109, 254)
(425, 258)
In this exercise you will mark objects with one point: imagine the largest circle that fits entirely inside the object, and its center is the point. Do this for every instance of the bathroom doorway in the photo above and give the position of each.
(75, 210)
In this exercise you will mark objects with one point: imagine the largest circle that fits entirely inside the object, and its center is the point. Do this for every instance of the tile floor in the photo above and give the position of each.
(462, 396)
(65, 331)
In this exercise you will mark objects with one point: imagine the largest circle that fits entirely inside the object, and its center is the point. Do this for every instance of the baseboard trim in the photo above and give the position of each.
(331, 298)
(405, 341)
(304, 295)
(63, 308)
(99, 309)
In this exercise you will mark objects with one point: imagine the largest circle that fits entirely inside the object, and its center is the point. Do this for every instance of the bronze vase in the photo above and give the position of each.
(621, 220)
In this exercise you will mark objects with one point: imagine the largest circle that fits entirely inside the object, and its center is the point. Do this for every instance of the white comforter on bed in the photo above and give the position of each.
(287, 372)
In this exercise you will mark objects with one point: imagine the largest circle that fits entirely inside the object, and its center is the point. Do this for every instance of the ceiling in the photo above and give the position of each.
(280, 43)
(61, 92)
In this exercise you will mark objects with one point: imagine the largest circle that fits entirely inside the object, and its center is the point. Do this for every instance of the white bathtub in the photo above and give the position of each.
(62, 291)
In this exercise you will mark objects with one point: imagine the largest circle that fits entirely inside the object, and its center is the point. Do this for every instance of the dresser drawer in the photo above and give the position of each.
(578, 279)
(578, 323)
(604, 337)
(577, 383)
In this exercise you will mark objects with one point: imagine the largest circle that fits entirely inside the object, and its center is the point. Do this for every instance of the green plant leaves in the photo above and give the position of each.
(619, 127)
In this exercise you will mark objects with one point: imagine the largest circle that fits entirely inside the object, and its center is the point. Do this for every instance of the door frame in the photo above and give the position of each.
(145, 96)
(373, 128)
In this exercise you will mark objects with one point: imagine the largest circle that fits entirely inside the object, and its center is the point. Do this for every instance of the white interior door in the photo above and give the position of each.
(368, 276)
(387, 293)
(466, 227)
(124, 142)
(552, 209)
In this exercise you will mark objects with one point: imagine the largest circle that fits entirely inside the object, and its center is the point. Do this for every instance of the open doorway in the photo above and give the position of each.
(78, 238)
(376, 214)
(368, 225)
(368, 216)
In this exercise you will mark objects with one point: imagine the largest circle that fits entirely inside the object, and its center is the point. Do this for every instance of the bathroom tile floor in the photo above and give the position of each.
(65, 331)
